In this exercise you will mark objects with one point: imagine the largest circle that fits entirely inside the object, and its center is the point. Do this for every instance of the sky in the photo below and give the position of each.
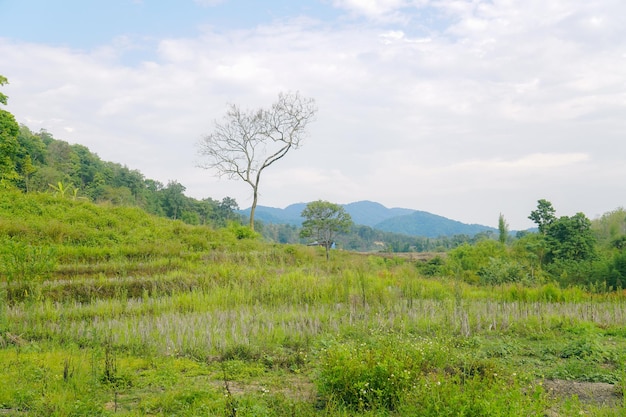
(466, 109)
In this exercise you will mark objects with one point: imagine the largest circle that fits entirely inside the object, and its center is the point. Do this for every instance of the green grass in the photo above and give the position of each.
(128, 314)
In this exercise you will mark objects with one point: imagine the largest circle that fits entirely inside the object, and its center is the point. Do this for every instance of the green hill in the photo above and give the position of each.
(46, 237)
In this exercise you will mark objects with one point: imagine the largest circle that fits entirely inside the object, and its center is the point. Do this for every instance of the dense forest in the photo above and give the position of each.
(41, 163)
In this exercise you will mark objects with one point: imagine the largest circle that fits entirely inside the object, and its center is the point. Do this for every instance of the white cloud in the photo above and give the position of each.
(376, 10)
(370, 7)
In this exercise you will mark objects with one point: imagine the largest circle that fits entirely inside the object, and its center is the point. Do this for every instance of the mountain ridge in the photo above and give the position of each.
(375, 215)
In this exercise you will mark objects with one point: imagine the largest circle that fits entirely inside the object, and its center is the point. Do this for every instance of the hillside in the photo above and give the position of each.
(48, 165)
(375, 215)
(421, 223)
(78, 231)
(107, 310)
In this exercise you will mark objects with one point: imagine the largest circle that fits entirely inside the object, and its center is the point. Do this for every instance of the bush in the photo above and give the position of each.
(500, 271)
(466, 260)
(376, 374)
(242, 232)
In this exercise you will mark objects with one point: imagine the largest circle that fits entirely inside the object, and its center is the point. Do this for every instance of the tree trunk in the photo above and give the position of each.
(255, 197)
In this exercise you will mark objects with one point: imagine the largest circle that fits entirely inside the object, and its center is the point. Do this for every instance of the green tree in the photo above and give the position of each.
(28, 169)
(610, 228)
(530, 250)
(9, 144)
(30, 157)
(3, 81)
(324, 220)
(246, 142)
(174, 201)
(503, 229)
(543, 216)
(571, 239)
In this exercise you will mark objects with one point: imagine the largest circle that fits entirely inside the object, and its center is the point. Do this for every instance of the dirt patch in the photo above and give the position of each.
(595, 393)
(294, 387)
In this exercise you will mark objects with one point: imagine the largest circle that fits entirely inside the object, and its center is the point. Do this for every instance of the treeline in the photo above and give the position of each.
(366, 239)
(37, 162)
(570, 250)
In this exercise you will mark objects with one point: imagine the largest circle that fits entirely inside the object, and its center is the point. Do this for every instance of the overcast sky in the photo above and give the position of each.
(462, 108)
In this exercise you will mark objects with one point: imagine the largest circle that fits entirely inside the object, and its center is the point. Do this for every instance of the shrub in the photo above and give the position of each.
(500, 271)
(376, 374)
(241, 232)
(466, 260)
(431, 267)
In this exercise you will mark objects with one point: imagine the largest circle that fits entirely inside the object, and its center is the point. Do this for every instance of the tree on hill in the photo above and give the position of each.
(41, 163)
(324, 221)
(246, 142)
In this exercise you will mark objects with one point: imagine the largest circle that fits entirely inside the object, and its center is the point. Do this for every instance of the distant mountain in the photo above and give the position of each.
(369, 213)
(421, 223)
(288, 215)
(375, 215)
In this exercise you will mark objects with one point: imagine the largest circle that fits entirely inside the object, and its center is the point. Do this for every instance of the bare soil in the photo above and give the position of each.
(591, 393)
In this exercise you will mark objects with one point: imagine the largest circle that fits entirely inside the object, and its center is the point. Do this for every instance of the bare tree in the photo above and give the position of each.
(246, 142)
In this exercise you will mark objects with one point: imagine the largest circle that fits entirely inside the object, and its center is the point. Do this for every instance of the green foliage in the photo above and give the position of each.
(467, 261)
(588, 348)
(500, 271)
(414, 376)
(3, 97)
(242, 232)
(610, 228)
(9, 148)
(503, 229)
(432, 267)
(376, 374)
(570, 238)
(36, 162)
(544, 215)
(323, 221)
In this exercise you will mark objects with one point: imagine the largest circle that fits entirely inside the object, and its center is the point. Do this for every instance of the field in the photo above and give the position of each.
(107, 311)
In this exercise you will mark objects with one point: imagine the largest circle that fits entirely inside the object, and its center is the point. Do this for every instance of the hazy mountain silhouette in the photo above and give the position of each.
(375, 215)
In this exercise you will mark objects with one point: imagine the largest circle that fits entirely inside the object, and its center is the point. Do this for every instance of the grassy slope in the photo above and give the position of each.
(131, 314)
